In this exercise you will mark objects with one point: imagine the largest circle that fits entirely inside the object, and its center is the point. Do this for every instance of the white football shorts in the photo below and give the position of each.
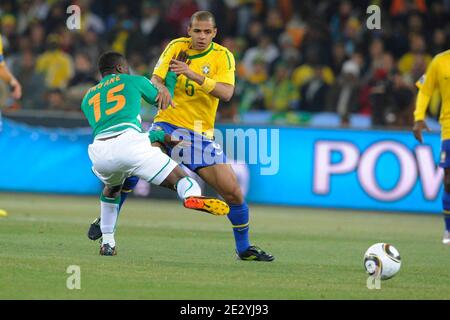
(129, 154)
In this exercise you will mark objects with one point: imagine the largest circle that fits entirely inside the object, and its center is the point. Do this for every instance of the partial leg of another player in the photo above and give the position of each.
(446, 206)
(223, 179)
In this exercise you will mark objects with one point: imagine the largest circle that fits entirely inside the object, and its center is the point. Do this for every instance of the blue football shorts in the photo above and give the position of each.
(200, 151)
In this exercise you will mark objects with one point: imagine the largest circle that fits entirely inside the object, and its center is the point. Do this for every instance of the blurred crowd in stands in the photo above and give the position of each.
(293, 57)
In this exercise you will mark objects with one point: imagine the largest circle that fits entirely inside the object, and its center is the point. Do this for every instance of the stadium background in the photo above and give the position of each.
(308, 68)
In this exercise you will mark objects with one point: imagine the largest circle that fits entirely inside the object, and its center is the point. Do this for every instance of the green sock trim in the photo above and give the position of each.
(110, 200)
(190, 181)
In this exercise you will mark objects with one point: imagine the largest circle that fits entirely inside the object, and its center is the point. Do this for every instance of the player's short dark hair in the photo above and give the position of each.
(109, 60)
(203, 16)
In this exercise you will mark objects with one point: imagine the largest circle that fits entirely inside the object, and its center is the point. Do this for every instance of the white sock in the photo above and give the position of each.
(109, 213)
(187, 187)
(108, 238)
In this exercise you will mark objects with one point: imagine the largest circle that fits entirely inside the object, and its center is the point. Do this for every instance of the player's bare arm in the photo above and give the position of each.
(419, 126)
(223, 91)
(9, 78)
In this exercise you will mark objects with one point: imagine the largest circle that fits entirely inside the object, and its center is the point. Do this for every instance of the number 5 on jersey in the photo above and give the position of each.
(111, 96)
(189, 88)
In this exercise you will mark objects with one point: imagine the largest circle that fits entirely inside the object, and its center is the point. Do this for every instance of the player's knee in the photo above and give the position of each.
(234, 196)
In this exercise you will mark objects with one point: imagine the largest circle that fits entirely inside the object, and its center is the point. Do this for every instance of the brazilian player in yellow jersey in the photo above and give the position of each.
(437, 77)
(16, 88)
(196, 94)
(204, 79)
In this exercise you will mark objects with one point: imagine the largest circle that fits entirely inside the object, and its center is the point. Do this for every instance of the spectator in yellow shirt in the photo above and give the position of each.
(56, 65)
(407, 65)
(305, 72)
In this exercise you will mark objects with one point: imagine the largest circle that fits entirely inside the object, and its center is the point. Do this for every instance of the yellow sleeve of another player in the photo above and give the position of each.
(225, 68)
(422, 102)
(162, 66)
(419, 83)
(426, 84)
(2, 58)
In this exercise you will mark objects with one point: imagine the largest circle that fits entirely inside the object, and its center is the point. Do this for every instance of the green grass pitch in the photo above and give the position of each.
(168, 252)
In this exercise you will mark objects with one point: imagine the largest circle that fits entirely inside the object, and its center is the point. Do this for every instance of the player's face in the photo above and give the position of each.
(202, 33)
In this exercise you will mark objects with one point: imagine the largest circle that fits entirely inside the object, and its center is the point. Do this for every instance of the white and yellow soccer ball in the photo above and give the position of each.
(382, 260)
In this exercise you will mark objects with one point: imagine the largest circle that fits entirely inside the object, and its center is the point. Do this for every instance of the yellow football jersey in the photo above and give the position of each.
(195, 109)
(437, 77)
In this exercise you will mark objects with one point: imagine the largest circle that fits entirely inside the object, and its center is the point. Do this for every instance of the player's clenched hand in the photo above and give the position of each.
(16, 89)
(182, 56)
(179, 67)
(180, 64)
(419, 126)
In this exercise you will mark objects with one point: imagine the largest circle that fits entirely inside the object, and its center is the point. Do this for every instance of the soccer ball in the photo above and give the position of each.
(382, 260)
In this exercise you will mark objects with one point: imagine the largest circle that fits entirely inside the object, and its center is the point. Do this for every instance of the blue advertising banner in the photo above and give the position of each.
(38, 159)
(343, 168)
(335, 168)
